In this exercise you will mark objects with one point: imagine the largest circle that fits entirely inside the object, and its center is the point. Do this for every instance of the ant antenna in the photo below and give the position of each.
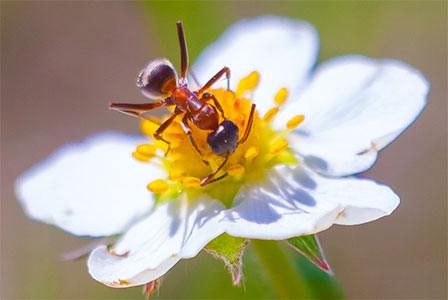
(183, 50)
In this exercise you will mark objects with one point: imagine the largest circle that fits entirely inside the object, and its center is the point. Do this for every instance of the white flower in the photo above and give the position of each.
(353, 106)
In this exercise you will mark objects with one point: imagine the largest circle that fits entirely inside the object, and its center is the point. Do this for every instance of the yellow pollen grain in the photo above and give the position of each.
(270, 114)
(294, 122)
(278, 147)
(252, 80)
(281, 95)
(147, 150)
(251, 152)
(191, 182)
(236, 170)
(176, 175)
(158, 186)
(142, 157)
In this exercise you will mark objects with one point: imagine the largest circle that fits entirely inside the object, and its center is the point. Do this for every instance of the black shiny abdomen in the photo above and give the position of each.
(158, 79)
(224, 140)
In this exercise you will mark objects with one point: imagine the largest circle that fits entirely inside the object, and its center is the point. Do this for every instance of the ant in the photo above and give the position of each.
(158, 81)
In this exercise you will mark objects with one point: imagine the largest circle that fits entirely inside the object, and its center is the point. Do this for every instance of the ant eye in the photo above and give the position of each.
(158, 79)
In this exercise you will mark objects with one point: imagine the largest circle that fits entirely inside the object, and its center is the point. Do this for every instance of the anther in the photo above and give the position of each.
(251, 152)
(236, 170)
(252, 80)
(149, 127)
(281, 95)
(158, 186)
(147, 150)
(294, 122)
(176, 175)
(278, 147)
(270, 114)
(141, 157)
(191, 182)
(242, 87)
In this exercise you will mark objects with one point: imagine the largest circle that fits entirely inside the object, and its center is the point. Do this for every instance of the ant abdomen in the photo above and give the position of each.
(158, 79)
(224, 139)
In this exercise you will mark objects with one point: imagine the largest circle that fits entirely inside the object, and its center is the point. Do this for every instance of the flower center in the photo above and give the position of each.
(189, 164)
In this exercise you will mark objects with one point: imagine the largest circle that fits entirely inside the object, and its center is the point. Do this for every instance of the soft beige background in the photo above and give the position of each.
(62, 62)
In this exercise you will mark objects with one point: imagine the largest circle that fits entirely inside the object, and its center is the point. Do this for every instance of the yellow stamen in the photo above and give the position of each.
(191, 182)
(149, 127)
(158, 186)
(236, 170)
(142, 157)
(252, 80)
(270, 114)
(294, 122)
(251, 152)
(281, 95)
(177, 174)
(277, 147)
(147, 150)
(242, 87)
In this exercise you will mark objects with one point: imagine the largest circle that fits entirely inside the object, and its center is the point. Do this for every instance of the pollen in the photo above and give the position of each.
(251, 152)
(270, 114)
(236, 170)
(281, 95)
(294, 122)
(158, 186)
(191, 182)
(278, 147)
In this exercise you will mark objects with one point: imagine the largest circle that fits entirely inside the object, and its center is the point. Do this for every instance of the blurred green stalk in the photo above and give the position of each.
(285, 279)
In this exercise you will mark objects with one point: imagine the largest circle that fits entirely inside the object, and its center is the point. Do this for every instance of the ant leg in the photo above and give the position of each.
(183, 50)
(208, 96)
(215, 78)
(186, 127)
(135, 110)
(162, 128)
(249, 125)
(209, 178)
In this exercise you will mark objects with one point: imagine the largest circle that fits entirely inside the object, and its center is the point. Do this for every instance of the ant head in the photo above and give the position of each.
(224, 139)
(158, 79)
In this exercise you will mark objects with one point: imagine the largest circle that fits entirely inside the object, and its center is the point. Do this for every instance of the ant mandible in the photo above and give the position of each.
(158, 81)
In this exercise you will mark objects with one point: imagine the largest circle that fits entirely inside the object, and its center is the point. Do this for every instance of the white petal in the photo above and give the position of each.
(176, 229)
(353, 108)
(296, 201)
(93, 188)
(282, 50)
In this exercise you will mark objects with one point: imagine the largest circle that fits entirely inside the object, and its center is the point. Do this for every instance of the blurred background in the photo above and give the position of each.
(62, 62)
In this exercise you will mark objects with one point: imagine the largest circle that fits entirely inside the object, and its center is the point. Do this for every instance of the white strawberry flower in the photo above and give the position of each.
(292, 177)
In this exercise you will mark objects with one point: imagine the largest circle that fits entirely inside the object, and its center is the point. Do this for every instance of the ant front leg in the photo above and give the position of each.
(209, 179)
(186, 127)
(249, 125)
(164, 126)
(215, 78)
(135, 110)
(208, 96)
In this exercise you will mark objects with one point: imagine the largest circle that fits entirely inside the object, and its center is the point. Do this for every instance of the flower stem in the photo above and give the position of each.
(285, 278)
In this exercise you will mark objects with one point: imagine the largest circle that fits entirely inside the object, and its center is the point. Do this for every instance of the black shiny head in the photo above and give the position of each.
(224, 139)
(158, 80)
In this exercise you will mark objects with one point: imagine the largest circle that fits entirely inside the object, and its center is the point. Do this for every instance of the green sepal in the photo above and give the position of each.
(309, 246)
(230, 250)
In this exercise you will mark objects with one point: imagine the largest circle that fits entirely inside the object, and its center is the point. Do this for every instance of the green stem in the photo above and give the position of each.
(280, 268)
